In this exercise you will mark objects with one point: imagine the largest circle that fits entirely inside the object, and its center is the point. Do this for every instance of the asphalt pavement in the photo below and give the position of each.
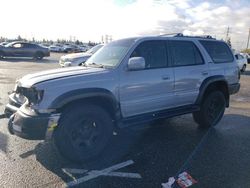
(143, 156)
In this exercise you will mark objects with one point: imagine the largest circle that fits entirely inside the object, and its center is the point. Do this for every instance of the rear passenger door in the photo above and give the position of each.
(28, 50)
(190, 71)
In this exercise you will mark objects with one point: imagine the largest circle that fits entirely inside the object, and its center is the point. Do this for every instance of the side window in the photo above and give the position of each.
(154, 53)
(185, 53)
(26, 45)
(218, 51)
(17, 45)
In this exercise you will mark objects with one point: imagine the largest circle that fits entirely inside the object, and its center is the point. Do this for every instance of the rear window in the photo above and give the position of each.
(185, 53)
(218, 51)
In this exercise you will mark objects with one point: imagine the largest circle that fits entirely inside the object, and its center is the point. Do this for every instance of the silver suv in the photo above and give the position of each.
(127, 82)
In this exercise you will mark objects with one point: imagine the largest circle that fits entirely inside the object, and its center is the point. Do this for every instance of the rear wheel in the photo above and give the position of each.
(212, 110)
(38, 56)
(84, 132)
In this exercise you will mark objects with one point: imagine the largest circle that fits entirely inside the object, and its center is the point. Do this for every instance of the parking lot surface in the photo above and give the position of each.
(143, 156)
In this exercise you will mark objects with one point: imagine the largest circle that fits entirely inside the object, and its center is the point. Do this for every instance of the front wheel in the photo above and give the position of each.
(1, 55)
(212, 110)
(83, 132)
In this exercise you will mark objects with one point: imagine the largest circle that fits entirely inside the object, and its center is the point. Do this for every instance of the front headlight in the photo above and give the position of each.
(21, 99)
(33, 95)
(67, 64)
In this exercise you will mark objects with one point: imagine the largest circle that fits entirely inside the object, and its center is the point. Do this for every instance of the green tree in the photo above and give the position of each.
(246, 51)
(77, 42)
(19, 37)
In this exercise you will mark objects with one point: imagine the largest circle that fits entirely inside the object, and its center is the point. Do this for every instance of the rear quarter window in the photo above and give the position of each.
(218, 51)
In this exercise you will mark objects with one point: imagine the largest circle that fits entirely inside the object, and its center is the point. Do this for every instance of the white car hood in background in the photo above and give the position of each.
(32, 79)
(76, 55)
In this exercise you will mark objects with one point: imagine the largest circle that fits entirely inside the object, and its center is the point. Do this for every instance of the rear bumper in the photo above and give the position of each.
(47, 54)
(234, 88)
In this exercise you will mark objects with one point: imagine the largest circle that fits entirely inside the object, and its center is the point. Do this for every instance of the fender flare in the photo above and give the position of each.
(79, 94)
(207, 82)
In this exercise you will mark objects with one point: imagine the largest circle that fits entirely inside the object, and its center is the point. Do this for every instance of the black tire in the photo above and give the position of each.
(83, 132)
(1, 55)
(38, 56)
(212, 110)
(243, 68)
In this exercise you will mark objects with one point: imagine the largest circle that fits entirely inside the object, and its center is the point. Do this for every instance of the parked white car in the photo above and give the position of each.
(55, 48)
(77, 59)
(247, 56)
(83, 48)
(241, 61)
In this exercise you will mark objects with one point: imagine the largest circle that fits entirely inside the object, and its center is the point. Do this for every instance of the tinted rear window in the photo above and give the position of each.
(218, 51)
(185, 53)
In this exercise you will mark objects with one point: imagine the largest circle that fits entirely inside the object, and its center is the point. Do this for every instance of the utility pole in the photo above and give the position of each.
(248, 38)
(228, 30)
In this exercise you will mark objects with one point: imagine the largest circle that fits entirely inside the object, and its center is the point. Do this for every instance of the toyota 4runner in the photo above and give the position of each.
(127, 82)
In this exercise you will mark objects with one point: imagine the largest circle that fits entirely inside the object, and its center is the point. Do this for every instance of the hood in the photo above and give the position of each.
(76, 55)
(32, 79)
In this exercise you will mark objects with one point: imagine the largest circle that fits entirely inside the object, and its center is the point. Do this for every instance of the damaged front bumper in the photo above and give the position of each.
(13, 105)
(28, 124)
(33, 127)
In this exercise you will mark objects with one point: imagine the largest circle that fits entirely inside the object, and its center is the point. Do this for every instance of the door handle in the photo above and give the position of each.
(165, 77)
(204, 73)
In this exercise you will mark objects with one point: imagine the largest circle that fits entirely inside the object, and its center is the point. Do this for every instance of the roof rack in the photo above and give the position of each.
(171, 34)
(181, 35)
(199, 36)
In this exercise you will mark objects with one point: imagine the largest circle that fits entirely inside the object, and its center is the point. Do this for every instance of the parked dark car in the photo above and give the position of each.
(70, 48)
(24, 49)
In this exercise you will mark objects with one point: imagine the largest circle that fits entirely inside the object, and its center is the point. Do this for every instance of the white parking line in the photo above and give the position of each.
(105, 172)
(74, 171)
(124, 175)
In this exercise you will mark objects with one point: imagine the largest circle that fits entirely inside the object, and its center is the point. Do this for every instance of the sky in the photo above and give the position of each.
(90, 19)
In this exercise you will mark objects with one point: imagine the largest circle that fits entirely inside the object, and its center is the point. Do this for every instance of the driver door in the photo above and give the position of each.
(16, 50)
(150, 89)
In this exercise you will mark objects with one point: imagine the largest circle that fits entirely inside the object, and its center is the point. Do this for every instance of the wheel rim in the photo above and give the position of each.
(38, 56)
(215, 110)
(86, 135)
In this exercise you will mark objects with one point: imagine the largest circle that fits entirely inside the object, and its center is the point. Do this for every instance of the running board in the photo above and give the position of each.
(149, 117)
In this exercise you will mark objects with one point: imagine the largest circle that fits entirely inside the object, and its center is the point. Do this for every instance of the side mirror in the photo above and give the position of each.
(136, 63)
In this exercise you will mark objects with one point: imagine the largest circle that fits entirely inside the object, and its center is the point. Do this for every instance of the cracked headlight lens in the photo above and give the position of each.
(33, 95)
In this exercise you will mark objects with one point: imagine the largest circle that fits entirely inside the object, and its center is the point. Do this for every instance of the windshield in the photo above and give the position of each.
(10, 44)
(111, 54)
(94, 49)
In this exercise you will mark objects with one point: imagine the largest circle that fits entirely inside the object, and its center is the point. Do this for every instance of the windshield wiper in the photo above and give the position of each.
(95, 65)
